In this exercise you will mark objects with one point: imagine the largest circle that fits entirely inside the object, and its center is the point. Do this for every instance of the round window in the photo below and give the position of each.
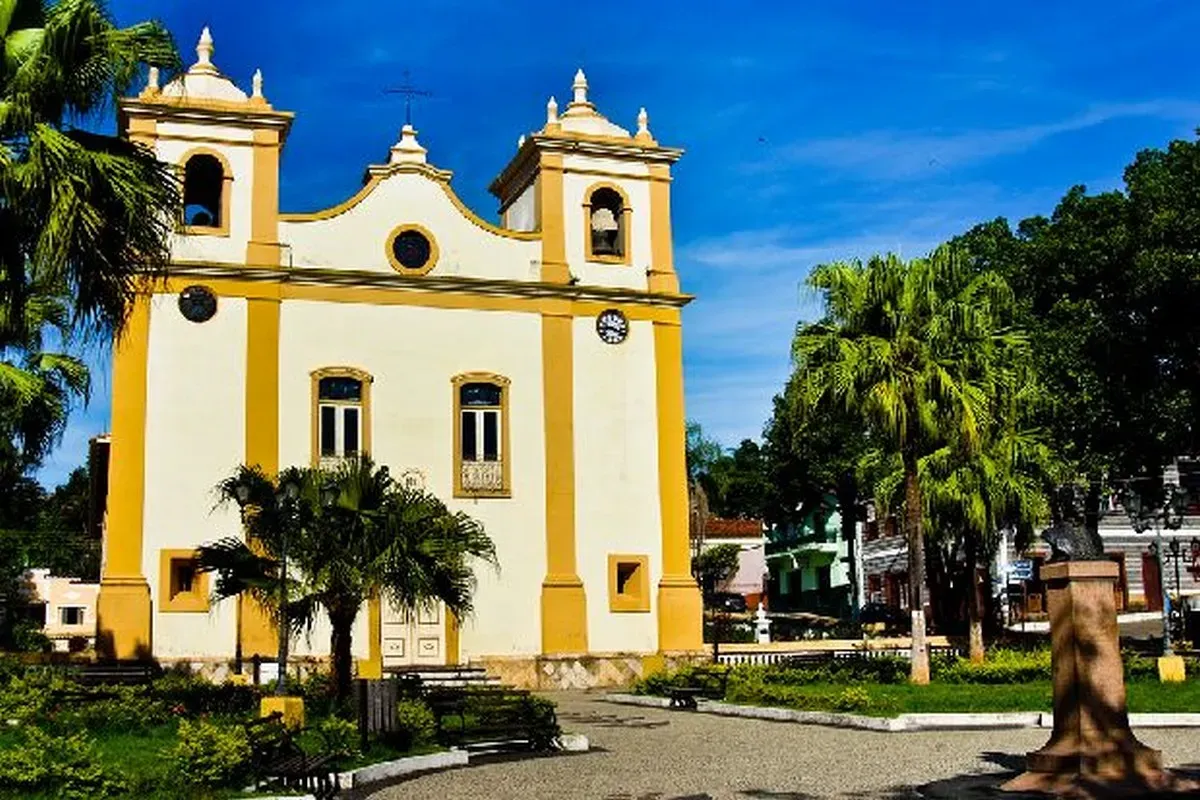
(412, 249)
(197, 303)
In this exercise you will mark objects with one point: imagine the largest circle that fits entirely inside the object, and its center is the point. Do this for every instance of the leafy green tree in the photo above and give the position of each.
(702, 451)
(78, 209)
(739, 482)
(348, 534)
(911, 349)
(715, 565)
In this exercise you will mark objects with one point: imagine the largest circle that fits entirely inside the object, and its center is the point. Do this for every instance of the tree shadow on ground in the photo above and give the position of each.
(612, 720)
(986, 785)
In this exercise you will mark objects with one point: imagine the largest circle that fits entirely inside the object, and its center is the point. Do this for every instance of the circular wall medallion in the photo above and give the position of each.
(412, 250)
(197, 303)
(612, 326)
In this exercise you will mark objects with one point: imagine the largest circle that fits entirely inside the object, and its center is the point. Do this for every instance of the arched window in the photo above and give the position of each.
(341, 414)
(607, 225)
(481, 458)
(205, 196)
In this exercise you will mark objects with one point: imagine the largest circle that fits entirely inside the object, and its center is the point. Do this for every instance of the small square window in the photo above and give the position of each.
(628, 583)
(183, 587)
(71, 615)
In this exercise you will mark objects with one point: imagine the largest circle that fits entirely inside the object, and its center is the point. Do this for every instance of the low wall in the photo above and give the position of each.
(591, 671)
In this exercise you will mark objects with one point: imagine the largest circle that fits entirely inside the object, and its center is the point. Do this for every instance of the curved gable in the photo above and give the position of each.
(356, 233)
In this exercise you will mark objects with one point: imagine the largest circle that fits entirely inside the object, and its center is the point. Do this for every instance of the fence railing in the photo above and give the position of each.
(803, 657)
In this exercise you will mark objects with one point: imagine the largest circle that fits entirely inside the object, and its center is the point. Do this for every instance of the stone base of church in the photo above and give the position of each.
(591, 671)
(219, 670)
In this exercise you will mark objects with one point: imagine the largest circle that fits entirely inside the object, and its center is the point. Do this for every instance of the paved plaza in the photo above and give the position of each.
(655, 754)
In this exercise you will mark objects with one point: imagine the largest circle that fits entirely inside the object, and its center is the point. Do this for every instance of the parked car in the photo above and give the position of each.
(727, 601)
(876, 613)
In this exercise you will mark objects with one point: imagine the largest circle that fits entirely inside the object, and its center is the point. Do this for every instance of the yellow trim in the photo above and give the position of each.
(226, 192)
(564, 605)
(372, 665)
(608, 173)
(263, 247)
(141, 130)
(123, 627)
(439, 178)
(636, 597)
(456, 384)
(170, 601)
(625, 222)
(679, 605)
(452, 643)
(662, 264)
(340, 372)
(257, 633)
(551, 222)
(447, 294)
(430, 262)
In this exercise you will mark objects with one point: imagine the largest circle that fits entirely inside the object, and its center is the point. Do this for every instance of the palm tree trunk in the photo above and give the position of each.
(974, 602)
(916, 570)
(341, 622)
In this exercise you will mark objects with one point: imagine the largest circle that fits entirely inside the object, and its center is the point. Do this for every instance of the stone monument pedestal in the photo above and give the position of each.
(1092, 746)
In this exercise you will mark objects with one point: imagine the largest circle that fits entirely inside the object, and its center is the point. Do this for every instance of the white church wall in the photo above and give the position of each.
(413, 352)
(230, 248)
(616, 477)
(575, 187)
(195, 436)
(358, 237)
(521, 214)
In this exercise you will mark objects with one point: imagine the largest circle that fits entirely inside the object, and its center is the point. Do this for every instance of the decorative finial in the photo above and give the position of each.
(580, 87)
(551, 111)
(204, 48)
(152, 80)
(257, 84)
(408, 149)
(643, 120)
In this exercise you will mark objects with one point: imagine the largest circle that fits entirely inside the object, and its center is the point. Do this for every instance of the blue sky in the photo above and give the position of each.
(814, 131)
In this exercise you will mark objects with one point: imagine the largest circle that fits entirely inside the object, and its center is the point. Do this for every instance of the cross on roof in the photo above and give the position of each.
(409, 91)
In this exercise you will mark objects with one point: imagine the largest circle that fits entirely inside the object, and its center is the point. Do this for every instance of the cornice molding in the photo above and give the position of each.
(367, 279)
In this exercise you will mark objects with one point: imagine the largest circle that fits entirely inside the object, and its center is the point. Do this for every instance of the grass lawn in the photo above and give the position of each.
(143, 758)
(887, 700)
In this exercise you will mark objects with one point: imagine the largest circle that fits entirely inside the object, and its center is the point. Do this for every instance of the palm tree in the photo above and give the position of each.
(913, 350)
(37, 385)
(89, 211)
(353, 533)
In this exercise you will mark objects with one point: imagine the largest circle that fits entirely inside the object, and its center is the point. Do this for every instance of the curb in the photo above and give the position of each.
(901, 723)
(402, 766)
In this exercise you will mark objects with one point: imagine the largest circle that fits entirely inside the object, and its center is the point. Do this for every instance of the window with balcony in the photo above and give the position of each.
(481, 457)
(341, 414)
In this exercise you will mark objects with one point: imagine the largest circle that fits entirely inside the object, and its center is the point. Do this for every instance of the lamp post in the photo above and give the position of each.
(1168, 513)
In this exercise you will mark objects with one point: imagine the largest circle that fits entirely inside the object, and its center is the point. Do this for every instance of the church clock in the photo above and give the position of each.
(612, 326)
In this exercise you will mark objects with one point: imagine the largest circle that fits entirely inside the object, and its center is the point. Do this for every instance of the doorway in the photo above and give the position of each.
(416, 639)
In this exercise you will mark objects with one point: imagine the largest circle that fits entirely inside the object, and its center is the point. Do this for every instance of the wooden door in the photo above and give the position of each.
(413, 640)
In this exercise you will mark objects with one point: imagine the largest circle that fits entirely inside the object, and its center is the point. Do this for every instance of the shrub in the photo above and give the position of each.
(542, 722)
(65, 766)
(119, 708)
(211, 755)
(31, 695)
(659, 683)
(340, 738)
(415, 725)
(854, 698)
(27, 637)
(195, 695)
(1001, 667)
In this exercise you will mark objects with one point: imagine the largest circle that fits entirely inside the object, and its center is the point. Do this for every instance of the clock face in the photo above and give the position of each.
(612, 326)
(197, 303)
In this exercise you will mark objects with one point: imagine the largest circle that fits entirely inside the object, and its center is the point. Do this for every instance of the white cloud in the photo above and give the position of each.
(902, 155)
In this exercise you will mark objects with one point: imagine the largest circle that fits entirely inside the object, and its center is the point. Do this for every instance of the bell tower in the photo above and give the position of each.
(600, 196)
(226, 145)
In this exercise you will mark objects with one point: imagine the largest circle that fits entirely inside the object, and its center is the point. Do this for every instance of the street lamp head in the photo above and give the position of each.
(1173, 506)
(329, 496)
(1140, 517)
(242, 493)
(291, 489)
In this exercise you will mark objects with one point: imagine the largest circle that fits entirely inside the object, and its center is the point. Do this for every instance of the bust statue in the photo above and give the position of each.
(1069, 537)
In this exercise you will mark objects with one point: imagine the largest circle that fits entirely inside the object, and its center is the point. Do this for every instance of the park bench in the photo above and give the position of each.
(492, 718)
(100, 674)
(709, 684)
(279, 759)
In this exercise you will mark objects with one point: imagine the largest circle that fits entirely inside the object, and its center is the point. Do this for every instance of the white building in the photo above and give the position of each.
(527, 372)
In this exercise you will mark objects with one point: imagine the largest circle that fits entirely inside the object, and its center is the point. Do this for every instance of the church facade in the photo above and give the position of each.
(529, 373)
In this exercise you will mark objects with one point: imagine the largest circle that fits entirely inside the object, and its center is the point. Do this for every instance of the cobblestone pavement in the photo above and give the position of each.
(654, 754)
